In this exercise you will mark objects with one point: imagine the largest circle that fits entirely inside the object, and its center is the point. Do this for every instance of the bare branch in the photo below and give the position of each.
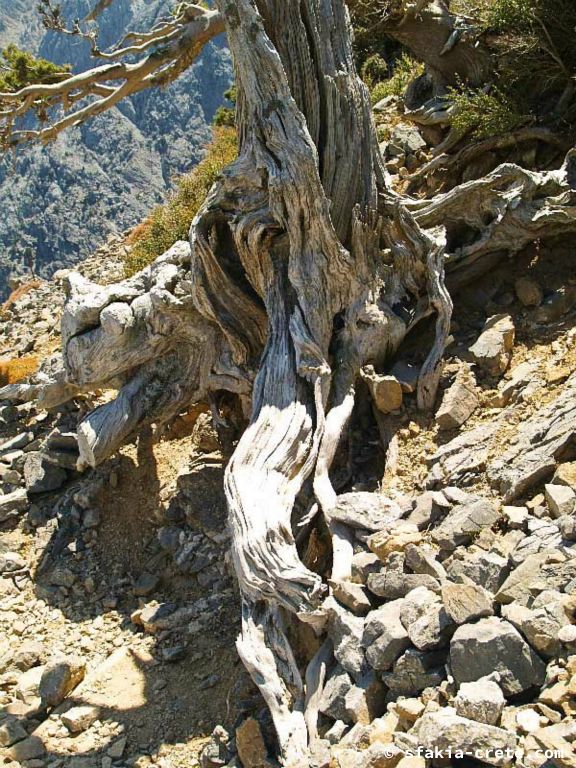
(169, 48)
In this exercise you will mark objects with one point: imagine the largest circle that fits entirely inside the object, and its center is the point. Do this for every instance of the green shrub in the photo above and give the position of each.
(406, 69)
(226, 116)
(19, 68)
(171, 221)
(374, 70)
(485, 115)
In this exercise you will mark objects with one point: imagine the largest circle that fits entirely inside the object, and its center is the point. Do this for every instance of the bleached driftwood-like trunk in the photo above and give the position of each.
(297, 264)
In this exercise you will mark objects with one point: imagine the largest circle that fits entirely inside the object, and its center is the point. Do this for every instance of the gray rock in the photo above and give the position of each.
(429, 507)
(422, 560)
(407, 374)
(464, 522)
(11, 731)
(477, 650)
(79, 719)
(561, 499)
(529, 291)
(333, 700)
(363, 564)
(466, 602)
(445, 730)
(12, 504)
(19, 441)
(59, 678)
(405, 139)
(531, 574)
(459, 401)
(371, 511)
(487, 569)
(346, 632)
(544, 535)
(541, 623)
(481, 700)
(146, 584)
(425, 619)
(393, 584)
(556, 305)
(11, 562)
(516, 517)
(567, 527)
(31, 748)
(41, 476)
(385, 637)
(352, 596)
(414, 671)
(493, 348)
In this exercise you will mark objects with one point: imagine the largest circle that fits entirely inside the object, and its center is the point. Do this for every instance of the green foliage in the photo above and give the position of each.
(485, 115)
(374, 70)
(170, 222)
(19, 69)
(406, 69)
(510, 15)
(226, 116)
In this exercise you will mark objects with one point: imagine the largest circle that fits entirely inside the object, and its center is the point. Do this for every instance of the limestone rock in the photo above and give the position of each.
(444, 730)
(333, 700)
(385, 637)
(464, 522)
(414, 671)
(428, 508)
(487, 569)
(561, 499)
(493, 348)
(351, 595)
(397, 539)
(346, 632)
(481, 700)
(59, 678)
(466, 602)
(566, 475)
(476, 650)
(79, 719)
(386, 391)
(12, 504)
(459, 401)
(425, 619)
(31, 748)
(11, 731)
(371, 511)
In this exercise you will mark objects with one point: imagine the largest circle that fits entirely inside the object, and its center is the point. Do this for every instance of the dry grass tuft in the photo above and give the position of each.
(17, 369)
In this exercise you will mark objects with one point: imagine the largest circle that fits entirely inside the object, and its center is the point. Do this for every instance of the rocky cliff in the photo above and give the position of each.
(102, 177)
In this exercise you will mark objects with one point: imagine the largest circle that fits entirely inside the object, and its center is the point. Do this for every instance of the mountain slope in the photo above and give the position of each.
(63, 200)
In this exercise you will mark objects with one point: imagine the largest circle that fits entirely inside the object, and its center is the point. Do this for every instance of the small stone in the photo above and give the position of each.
(146, 584)
(353, 596)
(59, 678)
(385, 390)
(528, 720)
(567, 634)
(40, 476)
(385, 637)
(414, 671)
(567, 527)
(529, 292)
(91, 518)
(11, 731)
(481, 700)
(566, 475)
(116, 749)
(464, 522)
(516, 517)
(493, 349)
(363, 564)
(370, 511)
(459, 401)
(561, 499)
(397, 539)
(410, 709)
(79, 719)
(28, 749)
(11, 562)
(12, 504)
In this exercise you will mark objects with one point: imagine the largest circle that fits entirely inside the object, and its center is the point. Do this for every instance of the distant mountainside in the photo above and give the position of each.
(63, 200)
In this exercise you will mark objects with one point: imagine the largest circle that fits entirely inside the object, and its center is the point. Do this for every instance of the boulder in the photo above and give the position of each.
(333, 699)
(425, 619)
(477, 650)
(493, 348)
(352, 596)
(487, 569)
(481, 700)
(414, 671)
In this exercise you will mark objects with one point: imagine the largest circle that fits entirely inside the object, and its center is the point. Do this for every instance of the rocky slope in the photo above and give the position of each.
(103, 177)
(456, 638)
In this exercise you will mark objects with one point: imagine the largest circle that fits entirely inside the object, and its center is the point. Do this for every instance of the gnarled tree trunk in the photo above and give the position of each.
(297, 265)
